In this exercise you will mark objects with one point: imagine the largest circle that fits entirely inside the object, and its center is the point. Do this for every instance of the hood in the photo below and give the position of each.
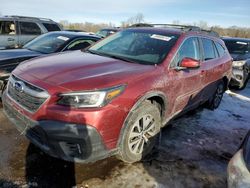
(239, 57)
(72, 68)
(17, 53)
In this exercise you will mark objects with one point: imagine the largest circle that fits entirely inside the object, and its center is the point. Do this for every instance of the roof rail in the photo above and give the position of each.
(176, 26)
(211, 32)
(29, 17)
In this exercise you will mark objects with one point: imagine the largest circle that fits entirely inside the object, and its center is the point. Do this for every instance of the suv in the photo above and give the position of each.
(239, 48)
(106, 32)
(114, 98)
(15, 31)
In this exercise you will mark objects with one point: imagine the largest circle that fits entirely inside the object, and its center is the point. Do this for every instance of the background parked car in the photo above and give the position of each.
(48, 43)
(239, 48)
(106, 32)
(15, 31)
(239, 166)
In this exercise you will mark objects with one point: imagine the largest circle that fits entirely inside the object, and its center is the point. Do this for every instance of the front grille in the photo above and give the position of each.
(26, 95)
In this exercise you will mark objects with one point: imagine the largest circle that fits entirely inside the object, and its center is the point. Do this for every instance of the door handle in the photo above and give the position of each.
(11, 39)
(202, 73)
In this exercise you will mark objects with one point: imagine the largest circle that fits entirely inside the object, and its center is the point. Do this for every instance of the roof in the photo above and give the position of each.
(157, 29)
(236, 38)
(110, 29)
(72, 34)
(27, 17)
(180, 28)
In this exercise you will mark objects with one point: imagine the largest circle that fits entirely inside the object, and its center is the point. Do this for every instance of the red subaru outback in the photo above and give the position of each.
(113, 98)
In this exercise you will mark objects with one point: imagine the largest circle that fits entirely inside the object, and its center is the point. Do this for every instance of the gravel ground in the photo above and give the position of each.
(194, 152)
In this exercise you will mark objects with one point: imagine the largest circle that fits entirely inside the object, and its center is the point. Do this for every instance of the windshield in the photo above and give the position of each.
(237, 46)
(137, 46)
(48, 43)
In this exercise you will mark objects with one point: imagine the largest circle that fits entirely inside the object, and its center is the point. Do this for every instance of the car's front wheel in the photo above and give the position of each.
(140, 133)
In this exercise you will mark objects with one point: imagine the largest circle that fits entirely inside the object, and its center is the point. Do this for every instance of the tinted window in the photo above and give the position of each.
(208, 48)
(80, 44)
(237, 46)
(48, 43)
(220, 49)
(51, 27)
(137, 46)
(105, 32)
(190, 49)
(29, 28)
(7, 28)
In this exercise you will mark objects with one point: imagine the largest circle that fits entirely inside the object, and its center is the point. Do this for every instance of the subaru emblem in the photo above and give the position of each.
(19, 86)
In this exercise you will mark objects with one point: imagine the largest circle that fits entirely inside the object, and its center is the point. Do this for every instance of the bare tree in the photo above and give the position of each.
(138, 18)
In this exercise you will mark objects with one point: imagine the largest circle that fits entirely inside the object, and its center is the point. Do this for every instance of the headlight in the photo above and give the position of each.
(90, 98)
(238, 63)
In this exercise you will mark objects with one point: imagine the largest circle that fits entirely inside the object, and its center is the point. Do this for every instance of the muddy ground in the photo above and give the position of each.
(194, 152)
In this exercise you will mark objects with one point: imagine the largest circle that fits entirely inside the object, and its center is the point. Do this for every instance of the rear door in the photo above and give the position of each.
(211, 66)
(8, 34)
(185, 84)
(28, 31)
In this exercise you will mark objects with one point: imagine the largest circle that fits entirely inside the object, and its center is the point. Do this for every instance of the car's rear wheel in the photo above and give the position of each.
(215, 100)
(141, 133)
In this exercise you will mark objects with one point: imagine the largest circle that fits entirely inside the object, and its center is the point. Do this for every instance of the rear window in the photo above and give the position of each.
(208, 48)
(29, 28)
(51, 27)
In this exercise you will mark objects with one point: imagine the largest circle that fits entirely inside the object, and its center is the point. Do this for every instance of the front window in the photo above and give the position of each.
(189, 49)
(137, 46)
(7, 28)
(48, 43)
(237, 46)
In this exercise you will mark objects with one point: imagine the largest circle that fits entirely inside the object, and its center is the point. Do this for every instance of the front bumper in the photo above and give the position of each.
(71, 142)
(239, 76)
(238, 174)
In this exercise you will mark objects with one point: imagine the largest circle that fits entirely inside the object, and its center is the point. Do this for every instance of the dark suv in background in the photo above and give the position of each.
(114, 98)
(15, 31)
(239, 48)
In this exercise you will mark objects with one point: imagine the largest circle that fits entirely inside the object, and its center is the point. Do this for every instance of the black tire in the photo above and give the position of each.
(131, 152)
(214, 102)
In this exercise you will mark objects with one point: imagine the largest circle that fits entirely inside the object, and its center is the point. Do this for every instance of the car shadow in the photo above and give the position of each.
(42, 170)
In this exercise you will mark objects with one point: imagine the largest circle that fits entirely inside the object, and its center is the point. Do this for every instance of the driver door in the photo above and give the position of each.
(186, 83)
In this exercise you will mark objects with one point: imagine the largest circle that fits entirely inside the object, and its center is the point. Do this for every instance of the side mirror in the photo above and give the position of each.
(189, 63)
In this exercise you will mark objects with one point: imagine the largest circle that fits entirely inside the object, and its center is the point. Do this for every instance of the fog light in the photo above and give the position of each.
(239, 77)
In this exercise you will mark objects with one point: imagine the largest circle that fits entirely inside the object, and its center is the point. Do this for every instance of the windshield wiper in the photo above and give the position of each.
(110, 55)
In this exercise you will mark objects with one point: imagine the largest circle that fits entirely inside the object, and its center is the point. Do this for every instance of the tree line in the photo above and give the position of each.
(232, 31)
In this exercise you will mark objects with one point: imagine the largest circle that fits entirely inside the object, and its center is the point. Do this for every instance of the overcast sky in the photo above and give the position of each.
(214, 12)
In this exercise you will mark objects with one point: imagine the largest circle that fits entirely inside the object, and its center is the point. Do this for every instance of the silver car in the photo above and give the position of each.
(239, 48)
(15, 31)
(239, 166)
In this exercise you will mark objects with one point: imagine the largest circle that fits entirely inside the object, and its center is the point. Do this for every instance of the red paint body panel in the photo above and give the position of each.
(78, 71)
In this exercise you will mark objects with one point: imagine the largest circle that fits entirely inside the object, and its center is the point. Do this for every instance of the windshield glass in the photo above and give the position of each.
(48, 43)
(137, 46)
(237, 46)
